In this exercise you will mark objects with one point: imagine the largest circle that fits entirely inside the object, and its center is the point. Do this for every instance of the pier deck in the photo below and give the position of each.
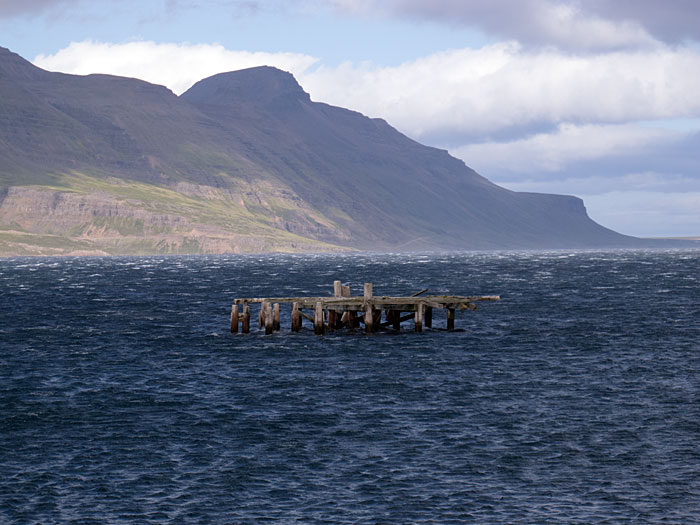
(341, 310)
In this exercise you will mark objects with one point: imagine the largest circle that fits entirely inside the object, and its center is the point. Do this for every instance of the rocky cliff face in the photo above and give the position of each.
(38, 221)
(242, 162)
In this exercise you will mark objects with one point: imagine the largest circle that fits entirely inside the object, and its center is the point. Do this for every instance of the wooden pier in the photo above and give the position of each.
(341, 310)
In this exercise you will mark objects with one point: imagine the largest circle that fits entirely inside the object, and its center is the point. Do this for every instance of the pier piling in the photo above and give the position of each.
(234, 319)
(245, 324)
(269, 321)
(318, 319)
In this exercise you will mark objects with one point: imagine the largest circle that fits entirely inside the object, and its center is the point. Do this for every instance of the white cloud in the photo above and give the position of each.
(484, 91)
(552, 152)
(176, 66)
(468, 92)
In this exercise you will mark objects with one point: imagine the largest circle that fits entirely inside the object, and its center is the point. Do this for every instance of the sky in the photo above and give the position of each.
(593, 98)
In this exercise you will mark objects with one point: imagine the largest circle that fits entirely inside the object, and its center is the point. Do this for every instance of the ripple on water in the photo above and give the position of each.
(575, 399)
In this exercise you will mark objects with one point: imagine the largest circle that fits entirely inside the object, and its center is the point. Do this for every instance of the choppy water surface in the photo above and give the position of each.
(574, 399)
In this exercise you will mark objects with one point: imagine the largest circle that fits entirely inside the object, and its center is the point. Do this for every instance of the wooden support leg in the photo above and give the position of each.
(261, 315)
(450, 318)
(269, 320)
(419, 317)
(246, 319)
(351, 321)
(234, 319)
(332, 319)
(318, 319)
(396, 319)
(369, 309)
(296, 318)
(429, 316)
(369, 318)
(276, 317)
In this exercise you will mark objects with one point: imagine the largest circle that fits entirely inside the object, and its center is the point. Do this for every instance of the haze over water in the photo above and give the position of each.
(576, 398)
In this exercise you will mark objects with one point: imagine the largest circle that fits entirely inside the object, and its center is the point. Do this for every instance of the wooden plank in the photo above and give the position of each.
(401, 318)
(443, 299)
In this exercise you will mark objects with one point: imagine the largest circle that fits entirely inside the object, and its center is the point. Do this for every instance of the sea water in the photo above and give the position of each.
(575, 399)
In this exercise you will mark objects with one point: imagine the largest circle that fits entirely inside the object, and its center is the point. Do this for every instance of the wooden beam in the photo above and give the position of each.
(442, 299)
(429, 316)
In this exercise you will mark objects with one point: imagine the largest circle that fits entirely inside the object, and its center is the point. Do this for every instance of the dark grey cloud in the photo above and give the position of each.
(668, 20)
(10, 8)
(573, 24)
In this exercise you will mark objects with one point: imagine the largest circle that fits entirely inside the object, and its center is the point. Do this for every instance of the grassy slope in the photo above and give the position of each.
(226, 216)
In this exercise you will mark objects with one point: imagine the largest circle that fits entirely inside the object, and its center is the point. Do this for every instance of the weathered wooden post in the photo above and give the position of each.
(276, 317)
(318, 319)
(450, 318)
(429, 316)
(419, 317)
(296, 318)
(261, 315)
(369, 313)
(332, 314)
(396, 319)
(234, 319)
(269, 321)
(246, 319)
(345, 318)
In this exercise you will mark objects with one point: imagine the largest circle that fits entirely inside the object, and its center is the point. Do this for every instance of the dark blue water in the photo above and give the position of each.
(576, 399)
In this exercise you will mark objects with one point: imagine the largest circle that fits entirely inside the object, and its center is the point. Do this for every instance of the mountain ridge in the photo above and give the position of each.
(243, 161)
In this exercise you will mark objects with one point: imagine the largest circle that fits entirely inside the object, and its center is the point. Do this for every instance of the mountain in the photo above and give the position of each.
(242, 162)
